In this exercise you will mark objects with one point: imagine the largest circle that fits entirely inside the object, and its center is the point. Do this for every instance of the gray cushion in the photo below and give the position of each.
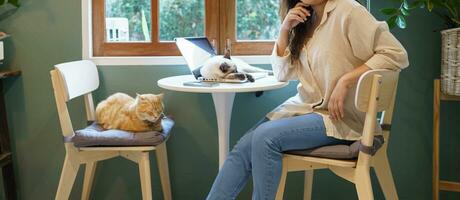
(346, 152)
(95, 135)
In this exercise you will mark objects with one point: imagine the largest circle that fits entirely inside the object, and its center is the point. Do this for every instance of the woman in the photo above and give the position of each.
(326, 45)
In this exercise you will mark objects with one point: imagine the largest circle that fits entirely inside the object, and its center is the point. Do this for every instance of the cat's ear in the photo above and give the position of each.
(160, 96)
(227, 53)
(139, 96)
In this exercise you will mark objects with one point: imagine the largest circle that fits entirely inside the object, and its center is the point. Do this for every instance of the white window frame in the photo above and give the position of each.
(87, 45)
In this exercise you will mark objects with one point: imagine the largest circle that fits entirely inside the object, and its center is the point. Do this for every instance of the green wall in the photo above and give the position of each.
(48, 32)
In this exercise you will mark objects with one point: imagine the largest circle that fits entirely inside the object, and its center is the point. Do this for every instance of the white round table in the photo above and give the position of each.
(223, 96)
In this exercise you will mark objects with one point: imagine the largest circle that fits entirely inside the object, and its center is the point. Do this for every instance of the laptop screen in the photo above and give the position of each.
(195, 50)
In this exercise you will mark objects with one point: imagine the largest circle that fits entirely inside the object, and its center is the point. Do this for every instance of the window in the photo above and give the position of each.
(250, 26)
(148, 27)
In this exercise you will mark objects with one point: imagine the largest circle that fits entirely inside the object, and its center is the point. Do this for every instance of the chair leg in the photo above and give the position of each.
(363, 184)
(282, 184)
(90, 169)
(383, 172)
(308, 185)
(68, 174)
(162, 161)
(9, 184)
(144, 172)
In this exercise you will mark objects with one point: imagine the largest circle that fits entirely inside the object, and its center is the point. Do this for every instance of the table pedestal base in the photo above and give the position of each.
(223, 104)
(223, 96)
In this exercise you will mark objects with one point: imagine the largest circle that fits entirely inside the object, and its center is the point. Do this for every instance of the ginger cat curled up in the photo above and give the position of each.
(140, 114)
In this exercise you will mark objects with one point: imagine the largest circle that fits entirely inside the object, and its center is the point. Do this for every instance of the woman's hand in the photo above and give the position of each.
(295, 16)
(337, 99)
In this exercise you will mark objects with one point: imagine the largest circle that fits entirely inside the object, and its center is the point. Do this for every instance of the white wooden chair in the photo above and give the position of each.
(80, 78)
(375, 92)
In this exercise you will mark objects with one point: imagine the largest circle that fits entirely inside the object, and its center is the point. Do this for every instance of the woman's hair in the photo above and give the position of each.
(298, 34)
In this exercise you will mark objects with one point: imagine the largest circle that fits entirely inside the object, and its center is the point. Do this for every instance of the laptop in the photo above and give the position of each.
(196, 51)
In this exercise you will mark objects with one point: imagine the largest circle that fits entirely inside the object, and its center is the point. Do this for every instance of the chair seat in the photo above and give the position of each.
(118, 148)
(95, 136)
(345, 152)
(311, 160)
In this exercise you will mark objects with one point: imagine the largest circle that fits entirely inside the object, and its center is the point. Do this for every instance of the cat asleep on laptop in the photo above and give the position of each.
(219, 68)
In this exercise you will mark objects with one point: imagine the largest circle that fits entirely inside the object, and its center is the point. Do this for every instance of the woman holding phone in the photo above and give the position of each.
(326, 45)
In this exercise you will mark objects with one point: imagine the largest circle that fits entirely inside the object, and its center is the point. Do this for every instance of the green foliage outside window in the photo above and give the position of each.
(132, 10)
(256, 20)
(181, 18)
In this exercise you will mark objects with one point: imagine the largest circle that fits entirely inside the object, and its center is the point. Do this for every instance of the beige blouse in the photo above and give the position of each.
(347, 37)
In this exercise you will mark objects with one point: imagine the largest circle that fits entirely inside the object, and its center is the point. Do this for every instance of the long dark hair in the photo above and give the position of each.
(297, 35)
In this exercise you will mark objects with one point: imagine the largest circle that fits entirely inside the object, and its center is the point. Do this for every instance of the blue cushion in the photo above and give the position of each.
(346, 152)
(95, 135)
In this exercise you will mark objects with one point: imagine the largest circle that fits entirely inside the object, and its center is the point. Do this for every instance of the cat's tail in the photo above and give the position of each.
(247, 68)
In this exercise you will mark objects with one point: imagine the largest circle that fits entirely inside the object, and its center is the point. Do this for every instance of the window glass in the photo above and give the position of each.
(128, 20)
(181, 18)
(257, 20)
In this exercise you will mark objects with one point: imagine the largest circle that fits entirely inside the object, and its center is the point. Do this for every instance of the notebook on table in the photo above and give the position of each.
(196, 51)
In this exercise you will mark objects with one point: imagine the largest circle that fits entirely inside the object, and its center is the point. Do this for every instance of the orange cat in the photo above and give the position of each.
(121, 111)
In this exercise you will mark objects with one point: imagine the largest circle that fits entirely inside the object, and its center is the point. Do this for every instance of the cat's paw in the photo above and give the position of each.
(236, 76)
(250, 78)
(240, 76)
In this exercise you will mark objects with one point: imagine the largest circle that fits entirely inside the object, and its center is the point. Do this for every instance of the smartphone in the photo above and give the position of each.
(200, 84)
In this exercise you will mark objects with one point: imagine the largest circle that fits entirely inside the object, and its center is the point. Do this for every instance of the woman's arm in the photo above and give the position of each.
(372, 42)
(282, 42)
(281, 65)
(294, 17)
(337, 99)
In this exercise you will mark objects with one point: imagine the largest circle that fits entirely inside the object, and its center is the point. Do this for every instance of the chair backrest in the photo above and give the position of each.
(79, 77)
(387, 89)
(71, 80)
(381, 85)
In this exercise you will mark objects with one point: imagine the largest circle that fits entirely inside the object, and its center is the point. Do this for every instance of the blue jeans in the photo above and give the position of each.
(259, 152)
